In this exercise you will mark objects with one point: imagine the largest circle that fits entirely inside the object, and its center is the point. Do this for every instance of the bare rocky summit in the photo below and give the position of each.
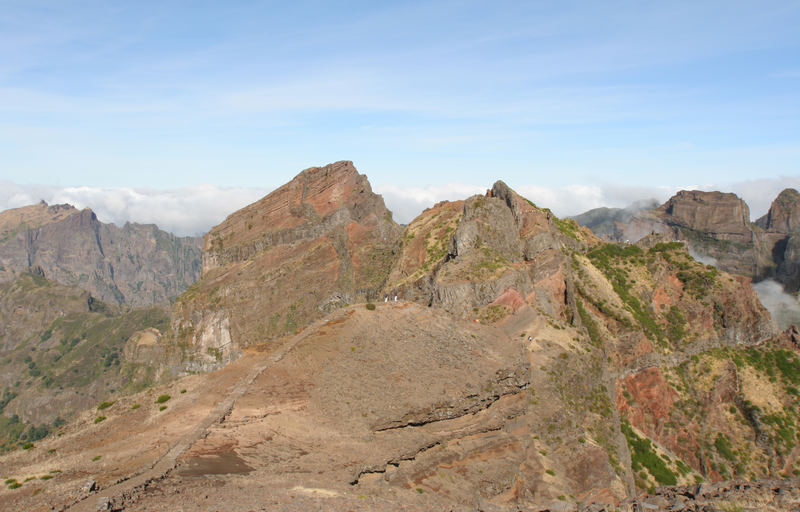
(135, 265)
(319, 242)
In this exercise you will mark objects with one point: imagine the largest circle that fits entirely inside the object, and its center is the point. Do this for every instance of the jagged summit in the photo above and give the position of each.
(319, 242)
(314, 202)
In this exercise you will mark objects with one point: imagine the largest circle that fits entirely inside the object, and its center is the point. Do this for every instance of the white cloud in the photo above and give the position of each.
(196, 209)
(784, 308)
(183, 211)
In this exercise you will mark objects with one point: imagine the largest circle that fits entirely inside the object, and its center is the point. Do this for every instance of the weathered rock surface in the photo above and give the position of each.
(723, 214)
(136, 265)
(319, 242)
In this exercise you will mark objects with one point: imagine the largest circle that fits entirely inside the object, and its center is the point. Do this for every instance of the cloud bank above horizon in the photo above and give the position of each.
(193, 210)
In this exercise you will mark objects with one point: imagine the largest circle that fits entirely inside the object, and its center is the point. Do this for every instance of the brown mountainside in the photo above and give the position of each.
(136, 265)
(527, 365)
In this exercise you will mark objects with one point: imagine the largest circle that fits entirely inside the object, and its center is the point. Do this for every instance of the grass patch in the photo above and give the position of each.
(135, 406)
(105, 405)
(99, 419)
(96, 458)
(611, 260)
(595, 337)
(162, 398)
(643, 456)
(724, 447)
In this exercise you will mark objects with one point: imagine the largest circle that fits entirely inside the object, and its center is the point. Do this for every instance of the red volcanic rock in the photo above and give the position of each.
(319, 242)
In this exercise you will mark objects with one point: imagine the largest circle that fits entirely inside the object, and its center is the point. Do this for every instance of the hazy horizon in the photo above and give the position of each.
(191, 211)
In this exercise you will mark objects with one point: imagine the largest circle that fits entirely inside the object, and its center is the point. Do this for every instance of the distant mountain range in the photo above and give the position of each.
(134, 265)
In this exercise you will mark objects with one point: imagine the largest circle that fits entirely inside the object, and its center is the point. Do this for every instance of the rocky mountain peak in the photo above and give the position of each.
(722, 213)
(314, 202)
(784, 213)
(316, 243)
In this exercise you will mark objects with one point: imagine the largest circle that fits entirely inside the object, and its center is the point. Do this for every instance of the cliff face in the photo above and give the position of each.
(315, 244)
(724, 215)
(135, 265)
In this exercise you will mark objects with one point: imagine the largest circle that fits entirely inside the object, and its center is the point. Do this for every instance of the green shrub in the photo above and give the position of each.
(183, 391)
(27, 446)
(370, 306)
(162, 398)
(136, 406)
(45, 477)
(96, 458)
(99, 419)
(163, 407)
(724, 447)
(104, 405)
(642, 455)
(550, 472)
(14, 485)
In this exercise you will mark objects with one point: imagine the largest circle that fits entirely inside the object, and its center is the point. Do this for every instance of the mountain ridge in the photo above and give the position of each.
(525, 364)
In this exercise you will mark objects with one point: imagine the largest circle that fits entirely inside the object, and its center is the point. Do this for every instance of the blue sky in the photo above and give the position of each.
(580, 103)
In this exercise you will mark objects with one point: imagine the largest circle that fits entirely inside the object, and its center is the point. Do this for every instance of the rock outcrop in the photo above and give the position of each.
(724, 215)
(319, 242)
(135, 265)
